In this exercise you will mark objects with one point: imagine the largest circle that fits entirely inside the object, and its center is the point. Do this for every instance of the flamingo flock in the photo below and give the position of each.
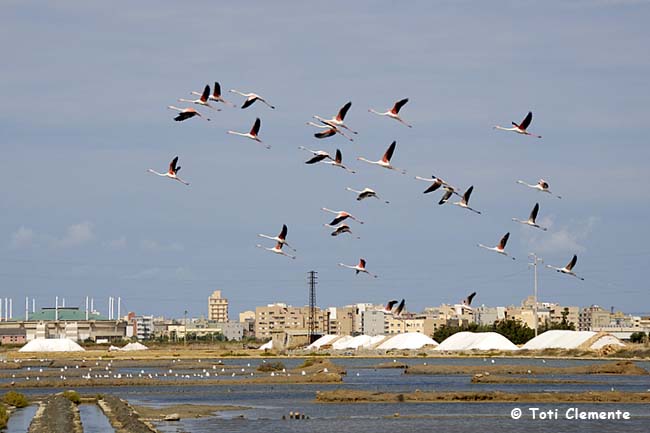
(335, 125)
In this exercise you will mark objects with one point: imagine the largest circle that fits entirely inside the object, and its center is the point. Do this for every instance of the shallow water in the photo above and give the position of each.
(20, 419)
(94, 420)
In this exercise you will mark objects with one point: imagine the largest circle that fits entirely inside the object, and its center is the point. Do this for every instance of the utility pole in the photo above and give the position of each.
(313, 280)
(185, 324)
(536, 260)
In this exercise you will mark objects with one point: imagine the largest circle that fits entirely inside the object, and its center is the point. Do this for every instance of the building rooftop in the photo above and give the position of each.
(64, 314)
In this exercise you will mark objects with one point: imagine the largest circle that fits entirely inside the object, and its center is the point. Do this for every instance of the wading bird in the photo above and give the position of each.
(393, 113)
(203, 100)
(531, 219)
(338, 119)
(277, 249)
(366, 193)
(172, 172)
(216, 95)
(340, 216)
(361, 267)
(501, 247)
(465, 305)
(281, 238)
(329, 131)
(400, 308)
(252, 134)
(319, 155)
(541, 185)
(464, 202)
(186, 113)
(251, 98)
(343, 228)
(522, 127)
(568, 269)
(437, 182)
(385, 160)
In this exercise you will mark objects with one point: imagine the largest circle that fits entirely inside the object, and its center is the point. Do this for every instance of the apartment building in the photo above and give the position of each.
(282, 317)
(217, 307)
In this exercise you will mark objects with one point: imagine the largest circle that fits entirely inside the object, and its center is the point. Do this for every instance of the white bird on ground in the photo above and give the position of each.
(466, 304)
(393, 113)
(340, 216)
(531, 219)
(251, 98)
(252, 134)
(568, 269)
(385, 160)
(361, 267)
(277, 249)
(329, 131)
(541, 185)
(522, 127)
(338, 119)
(464, 201)
(366, 193)
(172, 173)
(281, 238)
(216, 95)
(203, 99)
(501, 247)
(186, 113)
(340, 229)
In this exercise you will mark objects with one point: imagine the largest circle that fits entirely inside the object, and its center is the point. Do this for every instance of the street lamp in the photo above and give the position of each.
(536, 260)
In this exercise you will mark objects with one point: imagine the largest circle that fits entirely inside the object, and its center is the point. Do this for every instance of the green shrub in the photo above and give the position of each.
(13, 398)
(4, 417)
(270, 366)
(73, 396)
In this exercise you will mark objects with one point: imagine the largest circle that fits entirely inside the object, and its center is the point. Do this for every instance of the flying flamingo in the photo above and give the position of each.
(390, 305)
(465, 305)
(318, 155)
(541, 185)
(568, 269)
(501, 247)
(253, 132)
(338, 119)
(281, 238)
(203, 100)
(251, 98)
(393, 113)
(400, 308)
(366, 193)
(172, 172)
(343, 228)
(277, 249)
(531, 219)
(436, 182)
(186, 113)
(522, 127)
(216, 95)
(385, 160)
(329, 131)
(340, 216)
(361, 267)
(464, 202)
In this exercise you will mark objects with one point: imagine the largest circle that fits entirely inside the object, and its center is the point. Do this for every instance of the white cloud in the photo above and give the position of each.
(155, 246)
(76, 235)
(117, 244)
(565, 239)
(23, 238)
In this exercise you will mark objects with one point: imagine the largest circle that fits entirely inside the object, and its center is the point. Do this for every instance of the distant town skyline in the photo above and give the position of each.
(85, 91)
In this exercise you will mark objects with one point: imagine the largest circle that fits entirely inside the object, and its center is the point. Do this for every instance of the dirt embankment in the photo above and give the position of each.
(319, 366)
(56, 414)
(391, 365)
(123, 417)
(294, 378)
(620, 368)
(183, 411)
(352, 396)
(495, 378)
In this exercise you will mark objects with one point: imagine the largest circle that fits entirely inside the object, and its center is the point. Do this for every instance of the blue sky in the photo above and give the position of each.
(85, 89)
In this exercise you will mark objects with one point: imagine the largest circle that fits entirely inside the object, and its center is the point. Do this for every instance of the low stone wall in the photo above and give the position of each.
(123, 417)
(56, 414)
